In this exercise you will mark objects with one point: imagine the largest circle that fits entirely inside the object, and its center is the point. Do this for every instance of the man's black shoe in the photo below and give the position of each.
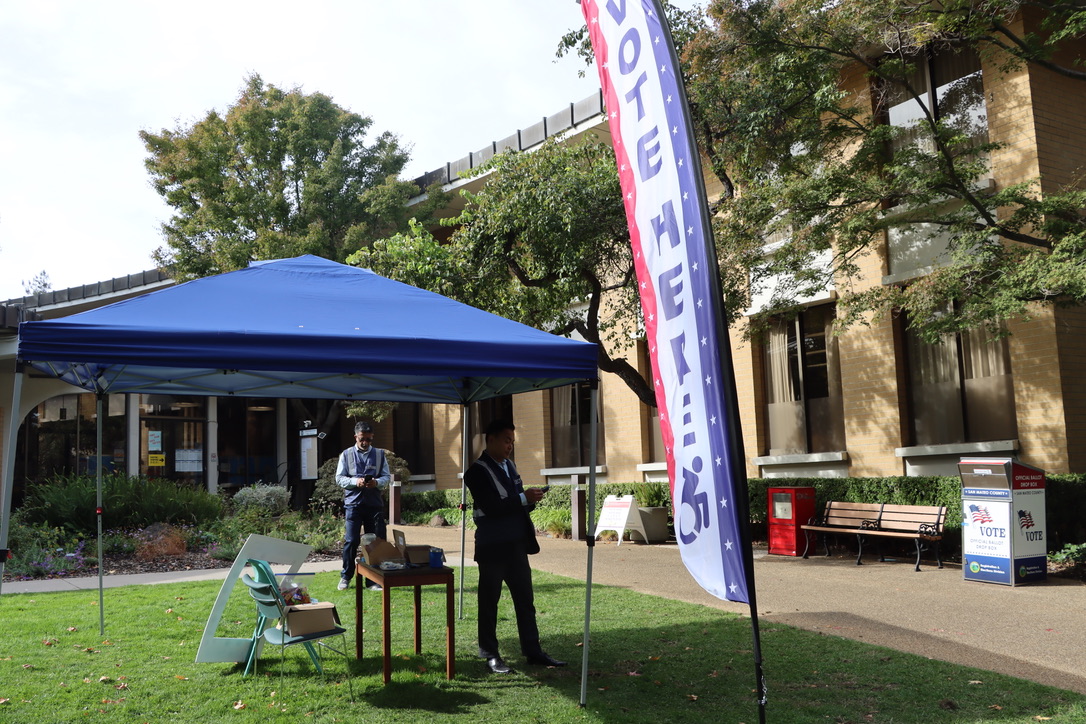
(497, 666)
(544, 659)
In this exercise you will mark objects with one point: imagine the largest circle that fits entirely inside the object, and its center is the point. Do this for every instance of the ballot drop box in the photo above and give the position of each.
(1003, 521)
(789, 508)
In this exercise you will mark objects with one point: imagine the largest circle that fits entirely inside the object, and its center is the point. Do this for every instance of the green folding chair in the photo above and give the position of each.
(271, 607)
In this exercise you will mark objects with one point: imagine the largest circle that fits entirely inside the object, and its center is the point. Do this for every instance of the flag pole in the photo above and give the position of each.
(678, 274)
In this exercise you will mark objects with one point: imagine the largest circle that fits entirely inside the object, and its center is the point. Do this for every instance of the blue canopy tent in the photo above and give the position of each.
(304, 327)
(294, 328)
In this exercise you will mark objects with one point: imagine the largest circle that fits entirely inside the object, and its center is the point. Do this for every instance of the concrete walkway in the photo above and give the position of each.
(1035, 632)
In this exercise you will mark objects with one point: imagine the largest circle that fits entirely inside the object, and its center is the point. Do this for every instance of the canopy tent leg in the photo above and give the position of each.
(98, 510)
(465, 450)
(590, 538)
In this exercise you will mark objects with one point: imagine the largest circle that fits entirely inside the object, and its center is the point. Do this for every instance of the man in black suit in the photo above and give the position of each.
(504, 538)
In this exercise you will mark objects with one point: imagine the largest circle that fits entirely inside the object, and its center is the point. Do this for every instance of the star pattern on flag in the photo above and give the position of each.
(723, 501)
(704, 341)
(712, 420)
(708, 380)
(728, 544)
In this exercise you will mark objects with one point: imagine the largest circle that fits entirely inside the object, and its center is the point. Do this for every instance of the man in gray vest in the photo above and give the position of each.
(362, 472)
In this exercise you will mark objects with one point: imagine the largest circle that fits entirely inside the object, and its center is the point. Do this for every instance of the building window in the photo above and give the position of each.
(961, 389)
(571, 427)
(172, 433)
(247, 442)
(481, 414)
(413, 436)
(950, 85)
(804, 411)
(62, 436)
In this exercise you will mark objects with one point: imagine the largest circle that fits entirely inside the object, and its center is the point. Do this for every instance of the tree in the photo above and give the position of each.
(282, 173)
(820, 173)
(821, 169)
(39, 284)
(545, 242)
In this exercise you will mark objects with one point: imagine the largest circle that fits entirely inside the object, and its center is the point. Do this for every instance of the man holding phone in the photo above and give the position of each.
(504, 538)
(362, 472)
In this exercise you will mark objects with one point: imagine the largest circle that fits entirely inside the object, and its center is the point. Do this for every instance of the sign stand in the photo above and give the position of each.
(620, 513)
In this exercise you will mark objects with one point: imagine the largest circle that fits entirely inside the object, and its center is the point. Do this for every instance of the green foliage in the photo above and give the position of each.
(327, 495)
(557, 522)
(69, 502)
(1070, 553)
(282, 173)
(262, 499)
(653, 495)
(41, 550)
(542, 242)
(820, 170)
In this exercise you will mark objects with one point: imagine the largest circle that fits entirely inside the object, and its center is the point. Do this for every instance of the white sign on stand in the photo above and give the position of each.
(620, 513)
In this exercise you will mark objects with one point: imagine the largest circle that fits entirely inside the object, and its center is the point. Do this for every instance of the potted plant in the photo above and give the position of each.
(652, 502)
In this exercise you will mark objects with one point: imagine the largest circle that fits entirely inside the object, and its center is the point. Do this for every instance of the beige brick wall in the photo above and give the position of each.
(447, 445)
(1070, 328)
(532, 452)
(1035, 365)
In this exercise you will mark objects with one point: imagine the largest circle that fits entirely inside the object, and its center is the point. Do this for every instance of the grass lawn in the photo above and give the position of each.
(652, 661)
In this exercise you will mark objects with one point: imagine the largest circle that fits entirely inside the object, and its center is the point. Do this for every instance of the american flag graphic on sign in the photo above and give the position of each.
(1025, 519)
(659, 169)
(979, 514)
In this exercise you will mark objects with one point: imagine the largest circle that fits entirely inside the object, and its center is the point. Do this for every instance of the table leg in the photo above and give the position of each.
(450, 632)
(418, 619)
(359, 611)
(386, 634)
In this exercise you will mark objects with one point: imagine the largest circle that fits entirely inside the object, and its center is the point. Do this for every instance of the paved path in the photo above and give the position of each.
(1035, 632)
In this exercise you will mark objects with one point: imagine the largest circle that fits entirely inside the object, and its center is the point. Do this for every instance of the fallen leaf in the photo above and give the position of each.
(104, 680)
(239, 705)
(633, 673)
(1042, 718)
(28, 666)
(179, 598)
(976, 682)
(169, 610)
(72, 629)
(122, 685)
(49, 642)
(997, 707)
(182, 678)
(4, 701)
(692, 697)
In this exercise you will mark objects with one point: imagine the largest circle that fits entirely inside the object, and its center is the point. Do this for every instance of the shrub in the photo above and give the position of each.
(267, 500)
(70, 502)
(327, 495)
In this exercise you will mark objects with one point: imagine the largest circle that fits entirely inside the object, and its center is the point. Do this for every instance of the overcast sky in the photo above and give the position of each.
(79, 80)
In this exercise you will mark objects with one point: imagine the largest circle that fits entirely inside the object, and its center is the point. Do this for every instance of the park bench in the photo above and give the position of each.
(921, 523)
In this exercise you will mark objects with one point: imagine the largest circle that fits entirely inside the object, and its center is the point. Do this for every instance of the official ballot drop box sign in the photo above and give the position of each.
(1003, 521)
(789, 508)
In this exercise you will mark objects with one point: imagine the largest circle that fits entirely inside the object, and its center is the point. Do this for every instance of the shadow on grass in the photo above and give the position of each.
(652, 659)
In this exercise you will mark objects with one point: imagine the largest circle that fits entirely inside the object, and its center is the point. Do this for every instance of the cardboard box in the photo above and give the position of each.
(307, 618)
(378, 551)
(411, 553)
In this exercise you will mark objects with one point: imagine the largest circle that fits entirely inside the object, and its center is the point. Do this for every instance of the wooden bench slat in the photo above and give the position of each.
(916, 522)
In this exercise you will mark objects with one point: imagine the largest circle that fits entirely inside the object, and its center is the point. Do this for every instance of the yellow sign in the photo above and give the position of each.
(156, 460)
